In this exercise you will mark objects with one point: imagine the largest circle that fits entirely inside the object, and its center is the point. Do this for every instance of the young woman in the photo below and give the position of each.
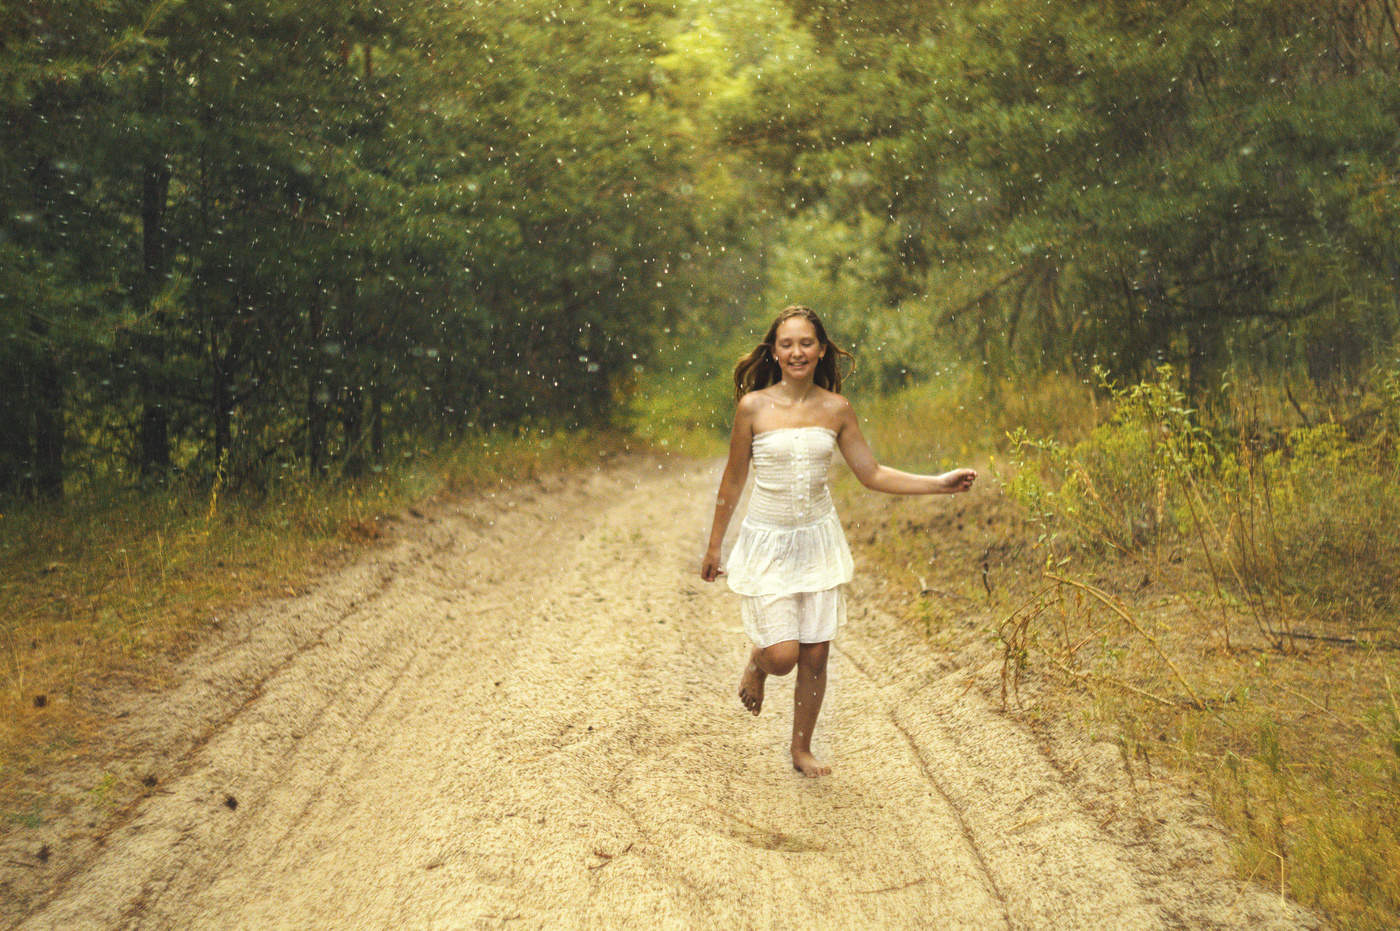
(791, 556)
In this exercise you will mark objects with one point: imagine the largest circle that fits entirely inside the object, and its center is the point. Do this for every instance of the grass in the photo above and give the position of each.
(961, 419)
(1296, 749)
(685, 411)
(1214, 591)
(1175, 590)
(105, 593)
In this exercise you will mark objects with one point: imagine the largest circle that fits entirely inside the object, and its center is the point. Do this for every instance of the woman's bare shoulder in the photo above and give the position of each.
(752, 402)
(834, 403)
(837, 411)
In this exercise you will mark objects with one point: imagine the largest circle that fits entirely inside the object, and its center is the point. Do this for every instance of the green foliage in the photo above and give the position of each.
(248, 238)
(1290, 729)
(1125, 485)
(838, 265)
(1389, 397)
(1083, 183)
(1330, 536)
(1306, 531)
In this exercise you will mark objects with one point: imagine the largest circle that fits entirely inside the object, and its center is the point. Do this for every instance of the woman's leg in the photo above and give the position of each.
(807, 704)
(775, 660)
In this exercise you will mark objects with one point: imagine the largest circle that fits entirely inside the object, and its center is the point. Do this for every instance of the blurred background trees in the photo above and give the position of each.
(266, 238)
(243, 239)
(1066, 184)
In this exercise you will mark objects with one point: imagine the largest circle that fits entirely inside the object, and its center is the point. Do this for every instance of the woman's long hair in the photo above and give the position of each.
(760, 368)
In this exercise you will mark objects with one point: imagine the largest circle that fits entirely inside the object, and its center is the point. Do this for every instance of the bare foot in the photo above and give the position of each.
(751, 685)
(807, 765)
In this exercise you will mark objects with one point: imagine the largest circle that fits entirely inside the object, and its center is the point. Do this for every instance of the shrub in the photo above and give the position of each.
(1303, 526)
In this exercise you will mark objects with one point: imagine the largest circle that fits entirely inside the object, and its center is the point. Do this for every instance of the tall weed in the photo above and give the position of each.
(1308, 530)
(1196, 520)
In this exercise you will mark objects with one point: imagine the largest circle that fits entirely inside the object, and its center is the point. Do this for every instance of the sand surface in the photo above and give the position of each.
(522, 711)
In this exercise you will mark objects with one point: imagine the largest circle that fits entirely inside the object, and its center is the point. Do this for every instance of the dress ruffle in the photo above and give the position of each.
(781, 561)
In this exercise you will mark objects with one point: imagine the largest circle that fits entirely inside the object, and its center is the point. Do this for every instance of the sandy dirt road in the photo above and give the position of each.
(521, 712)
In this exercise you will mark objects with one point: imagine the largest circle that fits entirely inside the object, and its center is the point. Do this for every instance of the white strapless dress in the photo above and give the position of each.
(791, 538)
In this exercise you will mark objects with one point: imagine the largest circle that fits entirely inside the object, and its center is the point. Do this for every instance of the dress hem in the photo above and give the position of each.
(799, 590)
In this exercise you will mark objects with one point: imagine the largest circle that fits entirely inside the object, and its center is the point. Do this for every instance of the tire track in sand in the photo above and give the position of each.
(535, 721)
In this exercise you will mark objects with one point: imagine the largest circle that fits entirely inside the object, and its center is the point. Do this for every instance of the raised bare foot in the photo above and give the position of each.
(751, 685)
(807, 765)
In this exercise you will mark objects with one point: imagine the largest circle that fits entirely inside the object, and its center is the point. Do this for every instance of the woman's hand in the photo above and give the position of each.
(709, 567)
(958, 480)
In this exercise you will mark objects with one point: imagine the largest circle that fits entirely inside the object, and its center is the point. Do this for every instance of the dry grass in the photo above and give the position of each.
(961, 418)
(1229, 620)
(1299, 750)
(100, 595)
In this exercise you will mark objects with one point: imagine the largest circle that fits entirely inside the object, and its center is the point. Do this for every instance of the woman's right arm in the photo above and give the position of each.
(731, 486)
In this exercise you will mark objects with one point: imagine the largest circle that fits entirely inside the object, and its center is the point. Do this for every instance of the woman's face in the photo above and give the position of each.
(797, 348)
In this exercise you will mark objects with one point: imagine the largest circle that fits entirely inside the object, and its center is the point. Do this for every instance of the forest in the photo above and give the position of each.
(1141, 258)
(242, 239)
(304, 237)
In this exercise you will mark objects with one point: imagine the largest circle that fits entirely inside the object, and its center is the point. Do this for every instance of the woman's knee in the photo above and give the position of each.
(812, 657)
(779, 658)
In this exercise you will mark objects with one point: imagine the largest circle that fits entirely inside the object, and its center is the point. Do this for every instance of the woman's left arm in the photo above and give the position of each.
(892, 481)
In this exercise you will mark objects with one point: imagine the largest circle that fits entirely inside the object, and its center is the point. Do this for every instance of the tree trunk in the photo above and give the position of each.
(15, 451)
(154, 431)
(376, 417)
(1203, 346)
(316, 393)
(47, 404)
(220, 402)
(352, 420)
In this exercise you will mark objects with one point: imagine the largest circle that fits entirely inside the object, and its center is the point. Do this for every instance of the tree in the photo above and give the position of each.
(1110, 183)
(247, 237)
